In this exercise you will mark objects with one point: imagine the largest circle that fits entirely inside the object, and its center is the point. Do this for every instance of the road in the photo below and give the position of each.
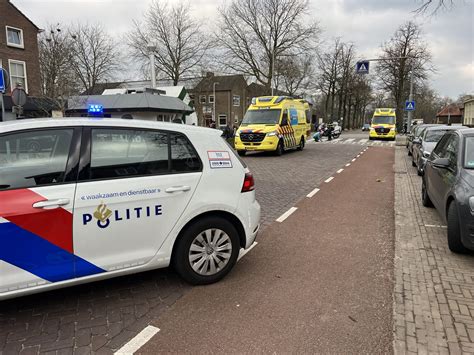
(102, 316)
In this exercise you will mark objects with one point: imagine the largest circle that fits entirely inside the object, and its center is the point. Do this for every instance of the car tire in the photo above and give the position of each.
(413, 163)
(197, 236)
(301, 145)
(425, 199)
(371, 138)
(279, 149)
(409, 153)
(241, 153)
(454, 230)
(418, 170)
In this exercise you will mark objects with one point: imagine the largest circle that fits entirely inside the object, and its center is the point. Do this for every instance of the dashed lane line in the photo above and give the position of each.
(435, 226)
(312, 193)
(348, 164)
(329, 179)
(138, 341)
(286, 214)
(340, 171)
(353, 160)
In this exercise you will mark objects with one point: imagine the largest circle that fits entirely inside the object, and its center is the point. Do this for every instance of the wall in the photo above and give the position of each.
(469, 113)
(10, 16)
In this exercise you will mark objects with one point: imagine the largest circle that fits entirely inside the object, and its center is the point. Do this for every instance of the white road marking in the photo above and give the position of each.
(286, 214)
(365, 140)
(348, 164)
(138, 341)
(435, 226)
(312, 193)
(353, 159)
(349, 140)
(340, 171)
(358, 155)
(329, 179)
(245, 251)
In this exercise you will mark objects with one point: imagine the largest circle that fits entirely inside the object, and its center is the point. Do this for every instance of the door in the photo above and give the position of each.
(135, 187)
(440, 179)
(37, 186)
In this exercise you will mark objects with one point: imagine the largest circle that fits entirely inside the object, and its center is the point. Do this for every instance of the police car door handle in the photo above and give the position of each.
(172, 189)
(51, 203)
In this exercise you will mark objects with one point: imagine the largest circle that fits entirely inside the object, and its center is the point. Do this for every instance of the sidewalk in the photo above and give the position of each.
(433, 300)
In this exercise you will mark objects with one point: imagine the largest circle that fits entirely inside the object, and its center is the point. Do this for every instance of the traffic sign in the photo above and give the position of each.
(19, 96)
(362, 67)
(3, 85)
(409, 105)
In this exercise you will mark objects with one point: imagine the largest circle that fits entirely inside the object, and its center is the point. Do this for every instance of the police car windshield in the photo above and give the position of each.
(262, 117)
(469, 155)
(383, 120)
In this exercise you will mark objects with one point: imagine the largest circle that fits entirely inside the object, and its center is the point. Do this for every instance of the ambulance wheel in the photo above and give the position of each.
(280, 148)
(301, 145)
(206, 251)
(241, 152)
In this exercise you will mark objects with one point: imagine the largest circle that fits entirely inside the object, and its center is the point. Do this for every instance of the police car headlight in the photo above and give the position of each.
(471, 203)
(272, 134)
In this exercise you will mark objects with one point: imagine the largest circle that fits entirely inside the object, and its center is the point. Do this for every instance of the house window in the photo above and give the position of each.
(14, 37)
(236, 100)
(202, 99)
(211, 99)
(18, 73)
(222, 120)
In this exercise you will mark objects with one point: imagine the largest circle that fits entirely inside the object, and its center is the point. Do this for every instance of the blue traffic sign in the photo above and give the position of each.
(362, 67)
(409, 105)
(2, 81)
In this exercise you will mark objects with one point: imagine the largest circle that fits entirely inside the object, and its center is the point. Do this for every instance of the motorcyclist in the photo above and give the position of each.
(330, 129)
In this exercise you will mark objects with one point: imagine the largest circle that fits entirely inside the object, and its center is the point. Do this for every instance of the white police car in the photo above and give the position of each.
(88, 199)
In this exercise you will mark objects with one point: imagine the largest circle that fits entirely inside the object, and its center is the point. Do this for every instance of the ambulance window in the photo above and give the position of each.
(34, 158)
(122, 153)
(183, 156)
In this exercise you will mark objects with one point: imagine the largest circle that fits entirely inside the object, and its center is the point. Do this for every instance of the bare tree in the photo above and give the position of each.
(58, 80)
(255, 33)
(94, 54)
(434, 4)
(295, 74)
(404, 53)
(179, 41)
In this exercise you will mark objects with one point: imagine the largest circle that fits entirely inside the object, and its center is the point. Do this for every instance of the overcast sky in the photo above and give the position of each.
(367, 23)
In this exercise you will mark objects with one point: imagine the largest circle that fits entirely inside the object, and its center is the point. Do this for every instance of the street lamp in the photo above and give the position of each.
(151, 49)
(214, 102)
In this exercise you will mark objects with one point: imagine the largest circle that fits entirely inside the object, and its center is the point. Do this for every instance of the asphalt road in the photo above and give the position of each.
(319, 282)
(102, 316)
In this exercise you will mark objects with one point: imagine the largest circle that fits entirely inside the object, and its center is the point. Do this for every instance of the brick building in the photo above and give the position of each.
(231, 99)
(450, 114)
(19, 48)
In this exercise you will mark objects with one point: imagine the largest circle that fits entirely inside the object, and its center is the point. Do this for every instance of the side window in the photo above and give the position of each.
(34, 158)
(452, 151)
(440, 148)
(183, 156)
(284, 118)
(121, 153)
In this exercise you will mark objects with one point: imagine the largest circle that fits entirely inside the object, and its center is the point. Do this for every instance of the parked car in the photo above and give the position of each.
(416, 132)
(424, 144)
(366, 127)
(448, 184)
(114, 197)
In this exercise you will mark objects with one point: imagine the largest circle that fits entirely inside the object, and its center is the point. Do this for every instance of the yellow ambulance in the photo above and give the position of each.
(273, 123)
(383, 124)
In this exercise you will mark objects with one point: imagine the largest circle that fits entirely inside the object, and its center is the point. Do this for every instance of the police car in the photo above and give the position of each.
(99, 198)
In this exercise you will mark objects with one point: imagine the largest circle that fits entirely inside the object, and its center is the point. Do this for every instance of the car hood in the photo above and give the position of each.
(257, 128)
(468, 176)
(429, 146)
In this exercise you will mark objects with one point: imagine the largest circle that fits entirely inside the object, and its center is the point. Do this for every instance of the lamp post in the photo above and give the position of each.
(151, 50)
(214, 102)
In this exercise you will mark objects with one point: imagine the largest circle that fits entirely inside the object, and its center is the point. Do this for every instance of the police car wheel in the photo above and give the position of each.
(206, 251)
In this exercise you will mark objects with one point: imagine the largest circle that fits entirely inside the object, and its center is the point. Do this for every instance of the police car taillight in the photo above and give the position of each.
(249, 183)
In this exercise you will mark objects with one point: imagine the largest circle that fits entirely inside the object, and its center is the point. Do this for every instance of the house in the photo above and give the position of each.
(449, 114)
(149, 105)
(19, 48)
(469, 111)
(230, 101)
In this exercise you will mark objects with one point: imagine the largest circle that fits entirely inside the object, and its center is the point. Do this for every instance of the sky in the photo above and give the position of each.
(367, 23)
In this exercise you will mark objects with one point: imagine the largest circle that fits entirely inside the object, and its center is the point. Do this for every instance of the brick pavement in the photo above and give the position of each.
(102, 316)
(433, 296)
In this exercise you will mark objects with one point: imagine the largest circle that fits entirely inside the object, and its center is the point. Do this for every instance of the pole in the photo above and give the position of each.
(214, 103)
(153, 74)
(273, 70)
(410, 98)
(3, 106)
